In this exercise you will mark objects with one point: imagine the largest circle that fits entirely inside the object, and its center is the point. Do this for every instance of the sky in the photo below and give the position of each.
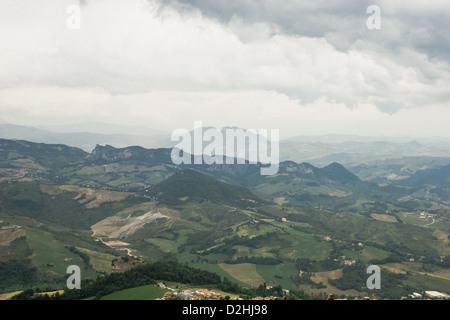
(303, 67)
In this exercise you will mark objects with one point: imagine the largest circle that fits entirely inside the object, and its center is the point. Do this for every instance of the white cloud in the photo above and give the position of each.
(143, 63)
(248, 109)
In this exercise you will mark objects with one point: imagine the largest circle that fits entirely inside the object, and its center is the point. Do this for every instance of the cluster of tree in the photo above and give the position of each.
(376, 206)
(150, 274)
(202, 240)
(141, 275)
(275, 291)
(392, 258)
(354, 277)
(255, 260)
(262, 291)
(86, 259)
(228, 286)
(36, 294)
(19, 271)
(307, 265)
(409, 205)
(312, 197)
(445, 262)
(17, 274)
(393, 286)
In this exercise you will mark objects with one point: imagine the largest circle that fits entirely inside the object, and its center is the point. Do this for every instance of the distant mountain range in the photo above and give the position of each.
(104, 128)
(429, 177)
(376, 159)
(318, 150)
(82, 139)
(352, 153)
(59, 155)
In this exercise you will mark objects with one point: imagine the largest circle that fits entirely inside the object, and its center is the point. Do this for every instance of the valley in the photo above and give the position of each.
(306, 228)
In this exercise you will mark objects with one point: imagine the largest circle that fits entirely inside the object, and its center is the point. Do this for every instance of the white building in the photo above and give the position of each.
(437, 295)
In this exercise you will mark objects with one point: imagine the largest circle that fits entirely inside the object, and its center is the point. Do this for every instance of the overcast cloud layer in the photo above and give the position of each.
(304, 67)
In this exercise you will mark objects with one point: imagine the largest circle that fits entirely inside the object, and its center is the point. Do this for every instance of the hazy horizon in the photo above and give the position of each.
(104, 128)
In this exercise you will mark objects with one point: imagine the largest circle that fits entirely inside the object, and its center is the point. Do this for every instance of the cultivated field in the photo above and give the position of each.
(383, 217)
(9, 295)
(149, 292)
(245, 272)
(89, 197)
(323, 277)
(6, 237)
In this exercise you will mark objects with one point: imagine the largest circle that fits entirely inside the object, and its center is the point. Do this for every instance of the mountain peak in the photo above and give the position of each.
(109, 154)
(337, 172)
(193, 185)
(436, 177)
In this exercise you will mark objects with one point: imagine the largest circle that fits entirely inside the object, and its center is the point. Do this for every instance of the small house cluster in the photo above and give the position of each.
(346, 262)
(198, 294)
(187, 294)
(428, 295)
(264, 298)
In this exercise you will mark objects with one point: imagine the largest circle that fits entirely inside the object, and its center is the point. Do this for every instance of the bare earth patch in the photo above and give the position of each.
(128, 221)
(91, 198)
(281, 200)
(117, 227)
(9, 295)
(49, 293)
(339, 194)
(383, 217)
(116, 243)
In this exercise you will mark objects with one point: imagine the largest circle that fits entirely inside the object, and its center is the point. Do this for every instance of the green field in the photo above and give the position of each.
(244, 272)
(148, 292)
(365, 255)
(217, 269)
(100, 261)
(163, 244)
(91, 170)
(51, 255)
(48, 251)
(279, 274)
(304, 245)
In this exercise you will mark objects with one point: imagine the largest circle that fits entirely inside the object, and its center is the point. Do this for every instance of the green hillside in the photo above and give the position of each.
(19, 153)
(148, 292)
(196, 186)
(435, 177)
(302, 228)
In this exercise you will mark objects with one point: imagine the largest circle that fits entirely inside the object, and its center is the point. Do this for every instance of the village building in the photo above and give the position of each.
(437, 295)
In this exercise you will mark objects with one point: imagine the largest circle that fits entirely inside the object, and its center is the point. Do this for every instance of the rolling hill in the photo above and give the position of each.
(227, 219)
(196, 186)
(49, 156)
(430, 177)
(85, 136)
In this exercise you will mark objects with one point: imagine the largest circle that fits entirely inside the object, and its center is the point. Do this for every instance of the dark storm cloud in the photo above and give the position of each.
(412, 24)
